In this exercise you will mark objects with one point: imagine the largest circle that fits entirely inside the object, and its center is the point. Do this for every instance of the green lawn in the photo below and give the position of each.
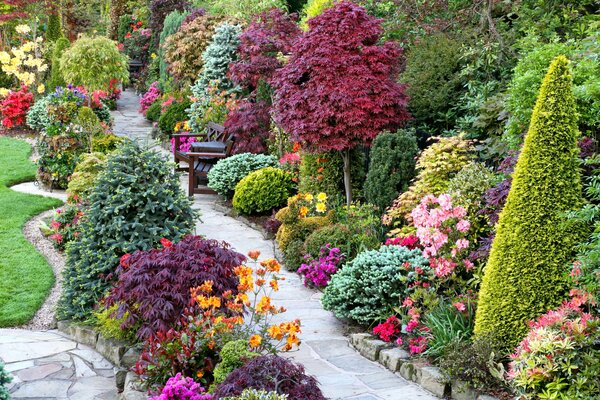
(25, 276)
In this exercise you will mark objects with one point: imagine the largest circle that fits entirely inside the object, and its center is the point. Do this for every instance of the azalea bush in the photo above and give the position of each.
(14, 107)
(318, 272)
(64, 226)
(559, 357)
(151, 95)
(180, 387)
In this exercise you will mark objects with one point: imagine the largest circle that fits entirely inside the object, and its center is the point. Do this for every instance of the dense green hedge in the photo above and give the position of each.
(392, 166)
(226, 174)
(527, 269)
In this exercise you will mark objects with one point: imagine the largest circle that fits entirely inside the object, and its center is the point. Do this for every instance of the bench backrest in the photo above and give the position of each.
(216, 132)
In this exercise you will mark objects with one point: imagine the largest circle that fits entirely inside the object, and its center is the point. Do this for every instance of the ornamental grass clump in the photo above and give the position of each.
(528, 265)
(135, 202)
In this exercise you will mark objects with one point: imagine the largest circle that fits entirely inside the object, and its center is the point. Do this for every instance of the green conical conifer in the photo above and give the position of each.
(527, 269)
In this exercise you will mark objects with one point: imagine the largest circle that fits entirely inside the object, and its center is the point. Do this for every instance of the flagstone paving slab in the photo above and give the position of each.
(47, 365)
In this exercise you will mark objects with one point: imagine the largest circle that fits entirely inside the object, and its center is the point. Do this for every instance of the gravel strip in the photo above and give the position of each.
(44, 318)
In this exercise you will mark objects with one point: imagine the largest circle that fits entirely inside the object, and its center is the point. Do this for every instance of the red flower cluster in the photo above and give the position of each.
(14, 107)
(388, 330)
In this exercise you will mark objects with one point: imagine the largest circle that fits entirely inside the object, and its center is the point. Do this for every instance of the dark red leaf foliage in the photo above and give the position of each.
(339, 88)
(271, 373)
(250, 125)
(271, 33)
(154, 287)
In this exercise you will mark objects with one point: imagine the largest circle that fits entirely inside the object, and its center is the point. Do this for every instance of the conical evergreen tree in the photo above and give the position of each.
(526, 272)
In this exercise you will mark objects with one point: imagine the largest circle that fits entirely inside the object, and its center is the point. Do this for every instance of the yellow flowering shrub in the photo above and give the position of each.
(25, 62)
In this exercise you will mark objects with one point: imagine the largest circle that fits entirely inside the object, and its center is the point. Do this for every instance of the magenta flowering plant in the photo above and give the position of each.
(182, 388)
(149, 97)
(317, 272)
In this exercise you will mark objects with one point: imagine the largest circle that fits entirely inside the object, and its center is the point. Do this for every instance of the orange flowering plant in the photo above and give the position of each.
(212, 321)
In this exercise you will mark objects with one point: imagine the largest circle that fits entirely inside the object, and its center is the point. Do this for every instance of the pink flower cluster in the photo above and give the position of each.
(441, 229)
(411, 242)
(318, 272)
(149, 97)
(185, 143)
(389, 330)
(290, 158)
(182, 388)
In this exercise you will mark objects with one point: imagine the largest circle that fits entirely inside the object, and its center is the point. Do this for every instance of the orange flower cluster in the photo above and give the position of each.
(254, 297)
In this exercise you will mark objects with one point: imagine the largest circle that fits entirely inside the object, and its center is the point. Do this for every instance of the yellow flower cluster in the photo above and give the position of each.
(308, 200)
(25, 62)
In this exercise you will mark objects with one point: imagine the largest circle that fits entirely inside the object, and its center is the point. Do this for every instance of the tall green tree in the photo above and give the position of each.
(527, 269)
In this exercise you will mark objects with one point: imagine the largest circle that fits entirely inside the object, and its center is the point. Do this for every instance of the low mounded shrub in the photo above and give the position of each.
(153, 112)
(173, 114)
(369, 286)
(135, 202)
(262, 190)
(272, 373)
(106, 143)
(37, 116)
(559, 358)
(154, 286)
(226, 174)
(253, 394)
(110, 327)
(233, 355)
(5, 379)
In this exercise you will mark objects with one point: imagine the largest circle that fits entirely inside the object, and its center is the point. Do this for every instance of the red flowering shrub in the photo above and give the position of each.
(154, 286)
(271, 33)
(339, 88)
(14, 107)
(271, 373)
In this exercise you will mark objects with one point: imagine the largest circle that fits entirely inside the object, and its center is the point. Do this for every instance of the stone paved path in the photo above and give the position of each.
(325, 351)
(47, 365)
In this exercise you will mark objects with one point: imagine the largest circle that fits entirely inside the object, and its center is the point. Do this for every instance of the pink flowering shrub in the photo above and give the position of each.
(389, 330)
(319, 271)
(182, 388)
(149, 97)
(559, 358)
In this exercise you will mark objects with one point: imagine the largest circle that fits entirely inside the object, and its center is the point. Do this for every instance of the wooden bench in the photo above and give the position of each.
(214, 145)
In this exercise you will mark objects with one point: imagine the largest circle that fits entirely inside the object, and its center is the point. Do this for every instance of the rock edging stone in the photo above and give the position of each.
(399, 362)
(117, 352)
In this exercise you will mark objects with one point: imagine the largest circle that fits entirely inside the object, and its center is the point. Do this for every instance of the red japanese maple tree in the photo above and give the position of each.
(269, 36)
(339, 89)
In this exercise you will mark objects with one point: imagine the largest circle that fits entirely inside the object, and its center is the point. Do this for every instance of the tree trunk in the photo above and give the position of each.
(347, 176)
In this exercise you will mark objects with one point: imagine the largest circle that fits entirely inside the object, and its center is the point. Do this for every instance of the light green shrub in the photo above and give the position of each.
(263, 190)
(233, 355)
(243, 9)
(110, 327)
(527, 269)
(226, 174)
(253, 394)
(56, 78)
(312, 8)
(84, 176)
(367, 288)
(37, 116)
(106, 143)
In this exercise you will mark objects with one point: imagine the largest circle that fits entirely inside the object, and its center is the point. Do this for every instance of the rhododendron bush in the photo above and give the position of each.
(151, 95)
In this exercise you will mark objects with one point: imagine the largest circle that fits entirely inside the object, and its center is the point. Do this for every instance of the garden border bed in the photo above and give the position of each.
(393, 358)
